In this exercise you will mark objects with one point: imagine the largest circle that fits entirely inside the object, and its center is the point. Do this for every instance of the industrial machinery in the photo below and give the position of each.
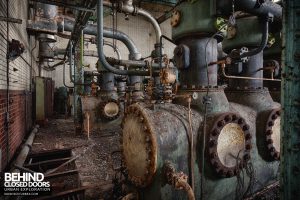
(207, 138)
(186, 137)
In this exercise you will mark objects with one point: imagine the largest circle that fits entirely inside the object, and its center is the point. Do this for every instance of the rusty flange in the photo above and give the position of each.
(110, 109)
(139, 146)
(273, 133)
(234, 125)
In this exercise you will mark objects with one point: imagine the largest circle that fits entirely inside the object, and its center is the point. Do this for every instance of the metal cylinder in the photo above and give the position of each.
(252, 68)
(198, 73)
(46, 11)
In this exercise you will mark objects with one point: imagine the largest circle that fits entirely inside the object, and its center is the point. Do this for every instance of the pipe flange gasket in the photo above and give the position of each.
(137, 111)
(269, 132)
(220, 123)
(104, 114)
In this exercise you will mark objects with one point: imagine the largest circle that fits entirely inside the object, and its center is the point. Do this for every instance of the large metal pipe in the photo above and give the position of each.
(134, 53)
(252, 7)
(25, 149)
(101, 55)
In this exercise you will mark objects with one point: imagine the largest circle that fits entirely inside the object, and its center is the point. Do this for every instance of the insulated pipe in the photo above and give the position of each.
(102, 58)
(25, 149)
(134, 53)
(252, 7)
(129, 8)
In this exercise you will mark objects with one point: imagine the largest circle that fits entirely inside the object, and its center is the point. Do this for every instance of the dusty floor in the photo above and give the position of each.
(95, 163)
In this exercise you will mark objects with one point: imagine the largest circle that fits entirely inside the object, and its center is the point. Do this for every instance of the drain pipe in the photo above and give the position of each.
(19, 162)
(101, 55)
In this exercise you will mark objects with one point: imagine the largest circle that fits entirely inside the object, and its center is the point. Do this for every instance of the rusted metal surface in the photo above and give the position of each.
(273, 133)
(110, 109)
(148, 141)
(139, 146)
(229, 144)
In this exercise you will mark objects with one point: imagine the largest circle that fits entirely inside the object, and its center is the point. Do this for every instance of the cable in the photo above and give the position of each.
(206, 101)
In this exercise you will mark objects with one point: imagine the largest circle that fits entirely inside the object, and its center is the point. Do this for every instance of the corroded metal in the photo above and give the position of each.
(110, 109)
(229, 144)
(273, 133)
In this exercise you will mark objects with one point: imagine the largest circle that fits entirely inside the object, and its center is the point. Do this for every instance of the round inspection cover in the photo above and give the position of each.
(110, 109)
(139, 146)
(273, 133)
(229, 144)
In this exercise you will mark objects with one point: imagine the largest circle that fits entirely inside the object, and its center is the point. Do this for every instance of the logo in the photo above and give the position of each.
(25, 184)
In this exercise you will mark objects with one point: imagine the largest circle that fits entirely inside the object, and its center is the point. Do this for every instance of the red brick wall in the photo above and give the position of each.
(20, 122)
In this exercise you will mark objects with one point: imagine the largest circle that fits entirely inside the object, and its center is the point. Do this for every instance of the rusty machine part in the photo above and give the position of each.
(146, 139)
(110, 109)
(229, 144)
(139, 142)
(178, 180)
(273, 133)
(175, 19)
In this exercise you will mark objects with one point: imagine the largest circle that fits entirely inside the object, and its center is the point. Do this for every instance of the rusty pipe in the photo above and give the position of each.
(245, 77)
(178, 180)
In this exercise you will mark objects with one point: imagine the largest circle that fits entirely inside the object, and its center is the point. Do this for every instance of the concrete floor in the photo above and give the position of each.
(95, 163)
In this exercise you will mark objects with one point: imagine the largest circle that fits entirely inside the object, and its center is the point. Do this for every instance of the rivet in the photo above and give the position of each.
(215, 132)
(270, 141)
(141, 119)
(234, 117)
(246, 157)
(228, 118)
(274, 116)
(271, 123)
(212, 143)
(278, 113)
(216, 165)
(248, 146)
(221, 123)
(213, 155)
(240, 121)
(269, 132)
(246, 127)
(230, 173)
(248, 136)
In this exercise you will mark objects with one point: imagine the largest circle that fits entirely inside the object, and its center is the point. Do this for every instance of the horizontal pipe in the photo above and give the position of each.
(56, 3)
(245, 77)
(90, 29)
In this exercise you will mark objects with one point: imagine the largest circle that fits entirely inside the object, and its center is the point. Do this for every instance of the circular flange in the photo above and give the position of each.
(110, 109)
(229, 144)
(273, 133)
(139, 146)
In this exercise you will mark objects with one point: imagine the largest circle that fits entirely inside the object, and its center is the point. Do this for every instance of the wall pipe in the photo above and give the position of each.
(134, 53)
(127, 7)
(101, 55)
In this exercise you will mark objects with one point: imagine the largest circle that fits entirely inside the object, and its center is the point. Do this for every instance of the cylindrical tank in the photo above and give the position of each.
(155, 134)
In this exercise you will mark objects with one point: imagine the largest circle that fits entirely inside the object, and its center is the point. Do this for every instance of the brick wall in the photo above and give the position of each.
(19, 122)
(20, 109)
